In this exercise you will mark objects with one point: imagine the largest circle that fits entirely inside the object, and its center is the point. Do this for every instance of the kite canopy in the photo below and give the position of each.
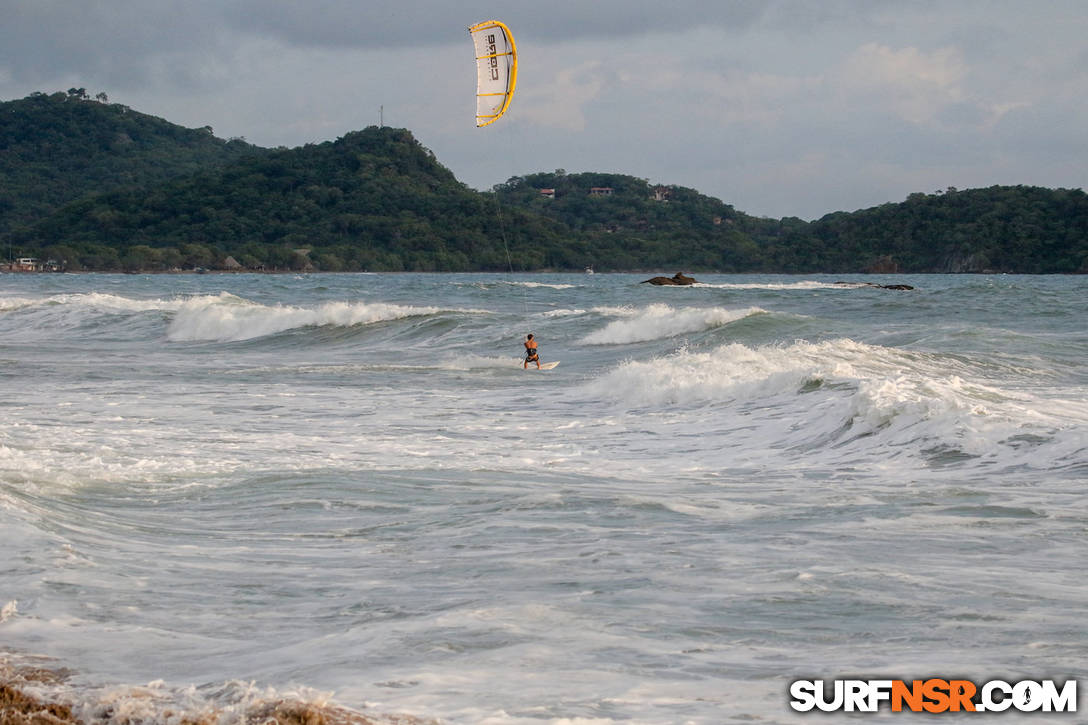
(496, 69)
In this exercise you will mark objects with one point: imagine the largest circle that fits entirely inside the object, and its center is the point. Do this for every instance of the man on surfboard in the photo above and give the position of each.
(530, 352)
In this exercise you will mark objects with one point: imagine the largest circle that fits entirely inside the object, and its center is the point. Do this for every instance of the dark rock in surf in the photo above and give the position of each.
(677, 279)
(878, 286)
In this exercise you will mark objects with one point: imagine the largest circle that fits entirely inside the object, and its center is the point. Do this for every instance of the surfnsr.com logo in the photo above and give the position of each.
(934, 695)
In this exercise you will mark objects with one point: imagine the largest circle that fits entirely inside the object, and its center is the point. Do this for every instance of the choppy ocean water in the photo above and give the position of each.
(217, 490)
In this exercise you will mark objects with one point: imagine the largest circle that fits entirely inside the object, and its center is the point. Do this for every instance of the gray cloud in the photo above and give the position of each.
(349, 23)
(44, 39)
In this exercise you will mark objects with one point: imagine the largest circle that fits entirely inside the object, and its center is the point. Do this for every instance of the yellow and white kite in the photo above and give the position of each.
(496, 69)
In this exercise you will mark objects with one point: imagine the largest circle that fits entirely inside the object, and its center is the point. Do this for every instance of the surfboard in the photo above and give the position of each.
(543, 366)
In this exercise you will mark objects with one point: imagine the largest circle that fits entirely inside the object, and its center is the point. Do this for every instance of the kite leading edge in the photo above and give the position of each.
(496, 70)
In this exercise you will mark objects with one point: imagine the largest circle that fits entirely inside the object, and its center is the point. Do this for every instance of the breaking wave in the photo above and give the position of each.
(226, 318)
(94, 301)
(810, 395)
(205, 318)
(659, 321)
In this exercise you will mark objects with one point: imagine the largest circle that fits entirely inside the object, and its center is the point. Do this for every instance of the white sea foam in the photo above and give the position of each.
(729, 370)
(915, 401)
(543, 284)
(225, 316)
(659, 321)
(94, 301)
(7, 304)
(499, 284)
(563, 313)
(111, 302)
(616, 311)
(9, 610)
(228, 318)
(802, 285)
(399, 519)
(686, 377)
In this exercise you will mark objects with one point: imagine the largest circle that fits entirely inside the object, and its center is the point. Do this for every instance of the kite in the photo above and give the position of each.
(496, 70)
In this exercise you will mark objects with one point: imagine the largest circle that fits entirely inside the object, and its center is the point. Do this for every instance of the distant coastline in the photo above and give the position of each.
(105, 188)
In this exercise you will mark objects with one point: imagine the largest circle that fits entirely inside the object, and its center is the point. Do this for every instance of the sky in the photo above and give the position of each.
(777, 107)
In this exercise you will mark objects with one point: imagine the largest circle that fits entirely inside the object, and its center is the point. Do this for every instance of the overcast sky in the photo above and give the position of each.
(780, 108)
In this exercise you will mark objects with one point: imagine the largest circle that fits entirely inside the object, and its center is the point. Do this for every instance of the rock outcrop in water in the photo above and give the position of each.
(878, 286)
(677, 279)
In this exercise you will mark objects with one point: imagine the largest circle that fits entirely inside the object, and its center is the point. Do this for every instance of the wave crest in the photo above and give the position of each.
(226, 318)
(807, 395)
(658, 321)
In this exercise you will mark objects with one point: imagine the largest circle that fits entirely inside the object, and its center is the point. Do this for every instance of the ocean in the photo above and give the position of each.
(222, 493)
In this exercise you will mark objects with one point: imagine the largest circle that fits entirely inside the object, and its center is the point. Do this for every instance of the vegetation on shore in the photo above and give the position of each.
(97, 186)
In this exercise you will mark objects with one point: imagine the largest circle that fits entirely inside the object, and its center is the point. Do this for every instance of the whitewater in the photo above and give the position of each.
(222, 493)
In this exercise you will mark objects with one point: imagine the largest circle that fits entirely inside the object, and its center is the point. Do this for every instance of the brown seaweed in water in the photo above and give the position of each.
(18, 706)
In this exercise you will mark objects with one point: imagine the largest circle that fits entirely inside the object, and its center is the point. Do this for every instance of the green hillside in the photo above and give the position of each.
(617, 222)
(636, 225)
(174, 198)
(57, 148)
(374, 199)
(1020, 229)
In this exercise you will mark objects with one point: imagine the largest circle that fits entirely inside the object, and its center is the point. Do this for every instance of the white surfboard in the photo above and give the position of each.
(543, 366)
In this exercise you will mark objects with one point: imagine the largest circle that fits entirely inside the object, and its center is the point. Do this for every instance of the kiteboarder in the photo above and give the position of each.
(530, 353)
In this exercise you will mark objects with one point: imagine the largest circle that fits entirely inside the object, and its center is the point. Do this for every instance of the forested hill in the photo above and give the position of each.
(636, 225)
(372, 200)
(1021, 229)
(57, 148)
(174, 198)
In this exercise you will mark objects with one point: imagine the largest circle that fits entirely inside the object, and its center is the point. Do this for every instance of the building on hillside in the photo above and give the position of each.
(662, 193)
(547, 193)
(601, 191)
